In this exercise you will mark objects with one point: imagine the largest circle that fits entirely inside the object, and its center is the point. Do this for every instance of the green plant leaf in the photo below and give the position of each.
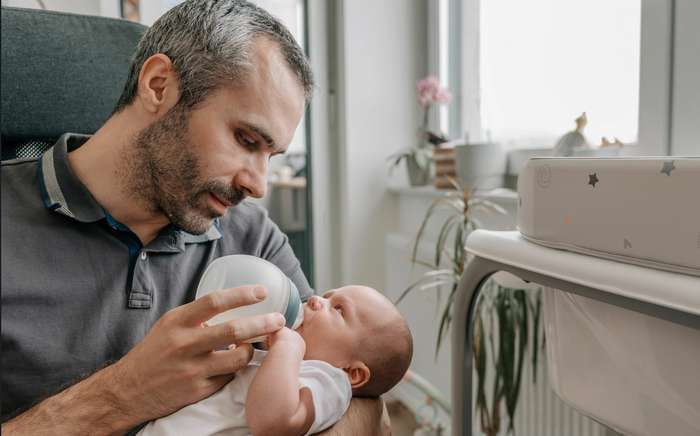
(537, 311)
(431, 209)
(442, 238)
(428, 276)
(423, 263)
(479, 354)
(487, 205)
(455, 183)
(446, 318)
(519, 298)
(436, 284)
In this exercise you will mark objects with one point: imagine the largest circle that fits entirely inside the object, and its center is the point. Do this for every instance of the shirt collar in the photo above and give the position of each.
(61, 189)
(64, 193)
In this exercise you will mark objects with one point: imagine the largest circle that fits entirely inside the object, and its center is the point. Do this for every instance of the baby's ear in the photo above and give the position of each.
(358, 373)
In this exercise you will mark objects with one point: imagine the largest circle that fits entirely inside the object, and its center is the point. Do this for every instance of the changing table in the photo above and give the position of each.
(623, 341)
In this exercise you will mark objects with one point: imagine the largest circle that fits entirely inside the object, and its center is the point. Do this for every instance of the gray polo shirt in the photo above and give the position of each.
(78, 288)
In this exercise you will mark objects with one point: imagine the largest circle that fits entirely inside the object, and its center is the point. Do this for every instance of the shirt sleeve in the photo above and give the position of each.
(330, 391)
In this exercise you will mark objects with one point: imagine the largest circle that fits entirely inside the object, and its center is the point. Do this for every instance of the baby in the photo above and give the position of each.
(353, 342)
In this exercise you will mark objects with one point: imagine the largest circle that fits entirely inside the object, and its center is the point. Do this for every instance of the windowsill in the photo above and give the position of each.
(515, 162)
(431, 191)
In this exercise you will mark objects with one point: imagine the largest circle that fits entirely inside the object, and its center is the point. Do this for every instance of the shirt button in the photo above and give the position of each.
(143, 255)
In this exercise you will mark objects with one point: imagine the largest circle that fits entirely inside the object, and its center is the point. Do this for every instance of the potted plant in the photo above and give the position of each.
(503, 316)
(419, 157)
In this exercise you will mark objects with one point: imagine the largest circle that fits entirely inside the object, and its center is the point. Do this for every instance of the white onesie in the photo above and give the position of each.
(223, 413)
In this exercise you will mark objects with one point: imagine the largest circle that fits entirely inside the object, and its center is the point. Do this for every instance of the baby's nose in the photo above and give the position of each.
(314, 302)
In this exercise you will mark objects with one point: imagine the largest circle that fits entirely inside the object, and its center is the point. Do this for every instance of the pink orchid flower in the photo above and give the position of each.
(430, 92)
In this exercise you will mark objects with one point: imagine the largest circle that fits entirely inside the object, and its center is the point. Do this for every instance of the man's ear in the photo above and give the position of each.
(158, 87)
(359, 374)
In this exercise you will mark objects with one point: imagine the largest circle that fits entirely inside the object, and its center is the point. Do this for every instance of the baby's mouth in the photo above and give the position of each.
(308, 314)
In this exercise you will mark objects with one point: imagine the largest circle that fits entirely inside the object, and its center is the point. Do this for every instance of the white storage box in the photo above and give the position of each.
(644, 211)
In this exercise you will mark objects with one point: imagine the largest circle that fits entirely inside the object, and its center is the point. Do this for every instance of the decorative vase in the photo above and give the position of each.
(482, 165)
(417, 175)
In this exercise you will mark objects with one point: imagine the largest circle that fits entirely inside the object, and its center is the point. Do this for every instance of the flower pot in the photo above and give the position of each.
(481, 165)
(417, 175)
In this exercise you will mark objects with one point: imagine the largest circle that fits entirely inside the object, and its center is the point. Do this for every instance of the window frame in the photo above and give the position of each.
(656, 87)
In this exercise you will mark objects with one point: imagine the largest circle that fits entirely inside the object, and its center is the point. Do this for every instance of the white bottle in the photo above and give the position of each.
(240, 269)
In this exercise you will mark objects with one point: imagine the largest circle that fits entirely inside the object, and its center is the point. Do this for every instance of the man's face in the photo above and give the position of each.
(335, 324)
(202, 161)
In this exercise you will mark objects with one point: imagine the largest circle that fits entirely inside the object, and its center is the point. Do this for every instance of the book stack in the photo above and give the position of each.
(445, 167)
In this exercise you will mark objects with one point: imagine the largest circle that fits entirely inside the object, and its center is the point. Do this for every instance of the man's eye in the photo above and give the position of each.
(246, 141)
(339, 309)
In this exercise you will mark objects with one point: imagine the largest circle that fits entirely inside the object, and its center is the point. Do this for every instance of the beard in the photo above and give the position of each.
(165, 174)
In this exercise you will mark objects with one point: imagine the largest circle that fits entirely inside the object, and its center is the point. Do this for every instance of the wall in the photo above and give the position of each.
(685, 134)
(381, 54)
(669, 89)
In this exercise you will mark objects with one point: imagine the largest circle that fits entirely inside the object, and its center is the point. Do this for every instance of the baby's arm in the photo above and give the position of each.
(275, 405)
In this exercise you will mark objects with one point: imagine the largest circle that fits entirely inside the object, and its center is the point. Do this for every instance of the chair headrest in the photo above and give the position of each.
(61, 72)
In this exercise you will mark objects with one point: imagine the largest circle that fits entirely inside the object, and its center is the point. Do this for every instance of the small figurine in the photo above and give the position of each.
(605, 142)
(572, 140)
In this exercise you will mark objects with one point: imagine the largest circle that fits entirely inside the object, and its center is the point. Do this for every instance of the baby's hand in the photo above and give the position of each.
(286, 337)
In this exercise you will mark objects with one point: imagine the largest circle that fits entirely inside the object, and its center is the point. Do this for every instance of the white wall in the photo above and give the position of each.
(381, 55)
(669, 88)
(685, 115)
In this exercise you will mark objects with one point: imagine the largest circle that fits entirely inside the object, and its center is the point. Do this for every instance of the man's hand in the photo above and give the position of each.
(174, 365)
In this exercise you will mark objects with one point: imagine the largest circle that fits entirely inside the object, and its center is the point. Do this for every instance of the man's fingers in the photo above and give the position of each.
(206, 307)
(220, 336)
(221, 363)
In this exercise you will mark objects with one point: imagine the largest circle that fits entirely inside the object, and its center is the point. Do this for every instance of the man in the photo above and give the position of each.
(104, 238)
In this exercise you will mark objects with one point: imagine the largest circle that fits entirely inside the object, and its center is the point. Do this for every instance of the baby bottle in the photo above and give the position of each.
(238, 270)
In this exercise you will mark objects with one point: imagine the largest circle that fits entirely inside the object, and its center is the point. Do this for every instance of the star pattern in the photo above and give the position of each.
(668, 167)
(593, 179)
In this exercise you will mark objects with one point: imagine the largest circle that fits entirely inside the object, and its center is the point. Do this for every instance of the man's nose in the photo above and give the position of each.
(255, 178)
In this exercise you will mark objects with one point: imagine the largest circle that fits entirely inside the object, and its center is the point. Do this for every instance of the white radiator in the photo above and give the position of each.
(541, 413)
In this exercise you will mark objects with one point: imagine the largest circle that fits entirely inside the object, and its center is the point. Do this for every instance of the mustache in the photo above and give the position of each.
(228, 194)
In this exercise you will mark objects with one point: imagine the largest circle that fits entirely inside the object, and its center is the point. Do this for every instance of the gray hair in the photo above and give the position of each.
(209, 43)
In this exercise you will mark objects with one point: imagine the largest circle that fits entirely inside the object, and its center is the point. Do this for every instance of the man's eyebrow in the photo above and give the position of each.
(261, 132)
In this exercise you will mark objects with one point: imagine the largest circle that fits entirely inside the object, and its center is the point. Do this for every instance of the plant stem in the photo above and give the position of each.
(425, 122)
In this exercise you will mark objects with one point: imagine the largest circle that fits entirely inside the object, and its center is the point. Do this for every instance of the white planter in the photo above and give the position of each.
(481, 165)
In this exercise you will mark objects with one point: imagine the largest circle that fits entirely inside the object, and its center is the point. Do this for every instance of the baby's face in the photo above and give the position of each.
(335, 323)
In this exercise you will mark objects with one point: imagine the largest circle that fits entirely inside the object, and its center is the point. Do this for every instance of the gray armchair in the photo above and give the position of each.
(60, 73)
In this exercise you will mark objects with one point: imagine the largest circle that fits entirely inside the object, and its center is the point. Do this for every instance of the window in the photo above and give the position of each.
(541, 63)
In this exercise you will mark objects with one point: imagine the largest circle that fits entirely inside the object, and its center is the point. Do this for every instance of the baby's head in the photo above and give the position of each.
(357, 329)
